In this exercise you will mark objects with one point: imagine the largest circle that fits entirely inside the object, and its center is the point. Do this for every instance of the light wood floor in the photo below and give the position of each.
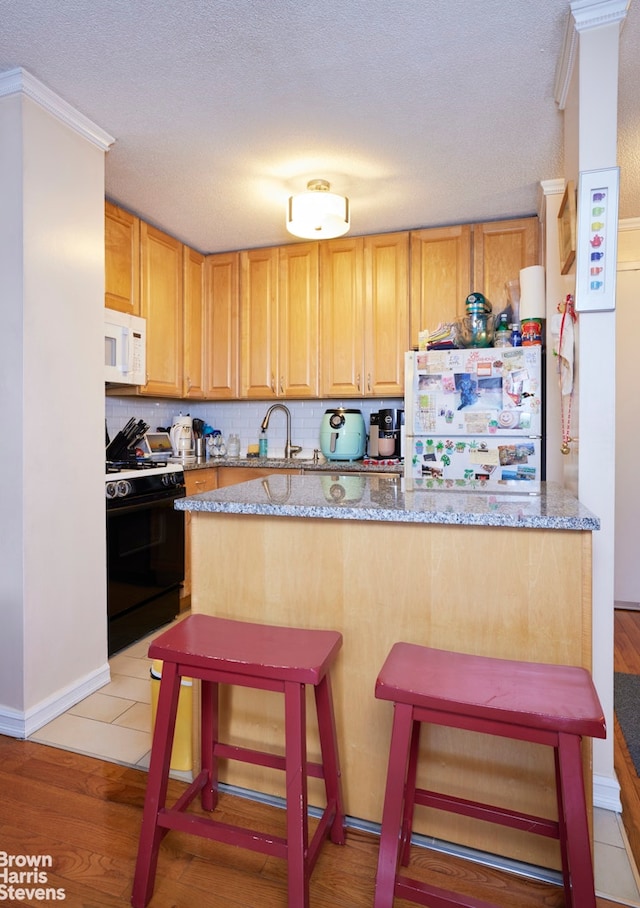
(627, 659)
(85, 814)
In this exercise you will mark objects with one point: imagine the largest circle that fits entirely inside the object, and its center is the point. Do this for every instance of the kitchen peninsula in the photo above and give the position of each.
(501, 575)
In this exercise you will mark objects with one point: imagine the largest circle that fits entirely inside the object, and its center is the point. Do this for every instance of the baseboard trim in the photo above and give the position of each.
(21, 724)
(606, 793)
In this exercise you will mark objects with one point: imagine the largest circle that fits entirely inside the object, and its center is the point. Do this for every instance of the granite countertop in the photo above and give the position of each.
(300, 463)
(338, 495)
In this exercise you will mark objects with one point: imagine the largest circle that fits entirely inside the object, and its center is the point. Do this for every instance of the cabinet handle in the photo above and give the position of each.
(368, 381)
(281, 385)
(358, 381)
(273, 384)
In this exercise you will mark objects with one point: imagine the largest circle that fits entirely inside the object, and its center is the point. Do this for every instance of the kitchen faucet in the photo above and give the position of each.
(289, 449)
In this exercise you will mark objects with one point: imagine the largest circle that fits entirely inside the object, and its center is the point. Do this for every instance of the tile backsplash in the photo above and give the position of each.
(242, 417)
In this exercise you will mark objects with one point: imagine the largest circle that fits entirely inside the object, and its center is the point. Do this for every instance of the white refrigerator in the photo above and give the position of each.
(473, 419)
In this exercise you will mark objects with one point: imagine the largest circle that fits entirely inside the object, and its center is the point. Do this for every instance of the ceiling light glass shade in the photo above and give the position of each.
(318, 214)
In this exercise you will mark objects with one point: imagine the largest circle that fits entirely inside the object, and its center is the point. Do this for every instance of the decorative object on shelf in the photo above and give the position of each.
(318, 213)
(562, 330)
(597, 244)
(567, 228)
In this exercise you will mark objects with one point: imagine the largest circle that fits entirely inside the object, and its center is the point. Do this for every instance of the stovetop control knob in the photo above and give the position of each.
(168, 479)
(111, 490)
(123, 488)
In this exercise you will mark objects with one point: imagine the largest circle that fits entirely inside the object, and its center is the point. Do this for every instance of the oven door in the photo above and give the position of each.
(145, 568)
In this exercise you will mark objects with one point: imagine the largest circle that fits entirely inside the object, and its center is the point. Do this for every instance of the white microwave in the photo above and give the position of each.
(125, 348)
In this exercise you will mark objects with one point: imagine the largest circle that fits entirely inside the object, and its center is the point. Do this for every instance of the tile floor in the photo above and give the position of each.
(114, 724)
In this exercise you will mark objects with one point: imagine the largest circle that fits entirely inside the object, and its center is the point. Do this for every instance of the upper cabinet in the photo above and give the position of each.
(364, 315)
(193, 318)
(279, 322)
(298, 320)
(448, 263)
(386, 323)
(221, 325)
(161, 305)
(440, 276)
(306, 320)
(122, 260)
(258, 321)
(500, 250)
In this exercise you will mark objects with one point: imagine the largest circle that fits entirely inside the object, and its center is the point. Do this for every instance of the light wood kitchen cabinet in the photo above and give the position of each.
(121, 260)
(221, 326)
(193, 309)
(448, 263)
(258, 323)
(279, 322)
(364, 315)
(298, 300)
(500, 250)
(161, 305)
(196, 481)
(386, 322)
(440, 276)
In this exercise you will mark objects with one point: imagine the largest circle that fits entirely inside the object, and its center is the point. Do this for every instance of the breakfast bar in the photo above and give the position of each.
(503, 575)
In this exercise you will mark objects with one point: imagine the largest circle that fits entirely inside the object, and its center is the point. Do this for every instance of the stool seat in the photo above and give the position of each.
(255, 650)
(285, 660)
(553, 705)
(555, 697)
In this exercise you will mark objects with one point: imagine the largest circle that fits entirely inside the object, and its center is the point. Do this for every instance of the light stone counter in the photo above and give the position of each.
(342, 496)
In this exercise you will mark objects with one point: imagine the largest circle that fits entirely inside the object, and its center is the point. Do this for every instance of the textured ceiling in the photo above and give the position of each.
(423, 112)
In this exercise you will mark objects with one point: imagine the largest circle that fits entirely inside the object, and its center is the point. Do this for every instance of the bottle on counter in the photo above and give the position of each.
(263, 444)
(516, 335)
(502, 337)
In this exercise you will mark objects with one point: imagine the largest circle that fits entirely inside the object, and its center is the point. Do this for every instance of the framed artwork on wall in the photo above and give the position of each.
(597, 240)
(567, 228)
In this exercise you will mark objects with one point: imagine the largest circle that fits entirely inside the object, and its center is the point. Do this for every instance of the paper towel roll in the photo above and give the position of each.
(533, 299)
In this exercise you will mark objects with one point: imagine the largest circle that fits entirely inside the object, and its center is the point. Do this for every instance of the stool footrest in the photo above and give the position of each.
(488, 812)
(413, 890)
(223, 832)
(260, 758)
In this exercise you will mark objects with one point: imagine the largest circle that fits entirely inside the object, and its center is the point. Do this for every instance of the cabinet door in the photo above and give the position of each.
(386, 262)
(440, 276)
(342, 318)
(259, 323)
(222, 308)
(193, 304)
(298, 320)
(161, 305)
(500, 250)
(121, 260)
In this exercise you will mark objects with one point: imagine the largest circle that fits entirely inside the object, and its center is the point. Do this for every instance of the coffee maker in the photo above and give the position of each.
(390, 433)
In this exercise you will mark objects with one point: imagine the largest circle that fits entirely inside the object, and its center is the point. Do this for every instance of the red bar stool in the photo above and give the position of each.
(547, 704)
(284, 659)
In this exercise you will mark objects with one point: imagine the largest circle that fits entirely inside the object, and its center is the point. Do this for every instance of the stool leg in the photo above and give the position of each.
(410, 794)
(296, 783)
(401, 734)
(562, 833)
(156, 795)
(574, 811)
(209, 725)
(330, 759)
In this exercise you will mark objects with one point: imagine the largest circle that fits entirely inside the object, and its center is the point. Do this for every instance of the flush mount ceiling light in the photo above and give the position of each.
(318, 213)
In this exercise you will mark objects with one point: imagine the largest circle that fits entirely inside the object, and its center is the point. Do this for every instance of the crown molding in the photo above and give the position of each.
(19, 81)
(585, 14)
(553, 187)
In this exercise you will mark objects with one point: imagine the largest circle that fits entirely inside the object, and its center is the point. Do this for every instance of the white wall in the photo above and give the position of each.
(627, 519)
(52, 583)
